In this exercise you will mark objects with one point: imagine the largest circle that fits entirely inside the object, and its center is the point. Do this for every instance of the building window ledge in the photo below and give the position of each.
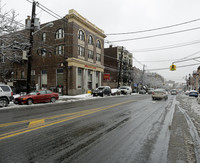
(81, 57)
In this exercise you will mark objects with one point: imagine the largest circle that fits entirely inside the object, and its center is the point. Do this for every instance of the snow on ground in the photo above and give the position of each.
(191, 103)
(192, 108)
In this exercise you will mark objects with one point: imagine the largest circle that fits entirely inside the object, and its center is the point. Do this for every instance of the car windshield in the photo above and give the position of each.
(100, 88)
(159, 91)
(123, 87)
(33, 93)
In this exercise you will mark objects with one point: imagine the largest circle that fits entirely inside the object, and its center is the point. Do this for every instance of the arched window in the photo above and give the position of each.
(59, 33)
(44, 37)
(98, 45)
(81, 35)
(90, 40)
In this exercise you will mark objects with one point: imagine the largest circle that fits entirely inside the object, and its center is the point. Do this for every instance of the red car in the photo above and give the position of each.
(37, 97)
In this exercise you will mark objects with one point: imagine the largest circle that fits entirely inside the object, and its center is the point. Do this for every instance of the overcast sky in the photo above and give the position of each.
(117, 16)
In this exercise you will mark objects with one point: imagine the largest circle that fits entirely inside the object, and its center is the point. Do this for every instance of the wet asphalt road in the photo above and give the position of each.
(114, 129)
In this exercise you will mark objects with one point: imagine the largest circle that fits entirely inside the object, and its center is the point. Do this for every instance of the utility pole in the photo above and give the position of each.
(120, 68)
(143, 75)
(29, 56)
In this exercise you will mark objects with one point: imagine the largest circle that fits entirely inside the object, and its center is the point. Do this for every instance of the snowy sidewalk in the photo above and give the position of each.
(62, 99)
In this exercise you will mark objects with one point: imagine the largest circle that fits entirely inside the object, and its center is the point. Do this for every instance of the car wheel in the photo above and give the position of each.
(53, 99)
(3, 102)
(29, 102)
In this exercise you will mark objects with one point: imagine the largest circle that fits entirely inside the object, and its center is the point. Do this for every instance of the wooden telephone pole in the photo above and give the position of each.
(29, 56)
(120, 68)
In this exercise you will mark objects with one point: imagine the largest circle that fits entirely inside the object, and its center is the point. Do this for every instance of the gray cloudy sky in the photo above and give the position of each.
(117, 16)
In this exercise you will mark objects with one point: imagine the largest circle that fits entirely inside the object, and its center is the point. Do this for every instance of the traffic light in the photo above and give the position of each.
(173, 67)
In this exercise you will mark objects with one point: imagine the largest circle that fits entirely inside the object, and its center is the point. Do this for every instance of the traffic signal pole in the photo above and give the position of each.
(29, 56)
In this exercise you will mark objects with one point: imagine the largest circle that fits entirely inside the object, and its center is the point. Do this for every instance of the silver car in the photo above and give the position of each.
(159, 94)
(6, 95)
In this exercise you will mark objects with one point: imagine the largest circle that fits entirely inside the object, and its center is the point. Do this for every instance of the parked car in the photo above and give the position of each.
(173, 92)
(125, 90)
(101, 91)
(159, 94)
(115, 91)
(6, 95)
(39, 96)
(187, 92)
(193, 93)
(150, 90)
(142, 91)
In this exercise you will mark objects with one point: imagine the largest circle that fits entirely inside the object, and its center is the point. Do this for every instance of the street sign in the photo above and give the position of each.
(172, 67)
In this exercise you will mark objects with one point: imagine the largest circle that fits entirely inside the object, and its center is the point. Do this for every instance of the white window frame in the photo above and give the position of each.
(98, 45)
(44, 37)
(90, 40)
(98, 57)
(60, 50)
(81, 35)
(81, 51)
(60, 33)
(90, 54)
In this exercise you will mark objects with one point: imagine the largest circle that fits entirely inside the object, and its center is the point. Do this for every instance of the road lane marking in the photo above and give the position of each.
(36, 123)
(43, 125)
(46, 118)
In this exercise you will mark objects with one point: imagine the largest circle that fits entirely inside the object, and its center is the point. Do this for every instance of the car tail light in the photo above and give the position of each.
(152, 93)
(11, 93)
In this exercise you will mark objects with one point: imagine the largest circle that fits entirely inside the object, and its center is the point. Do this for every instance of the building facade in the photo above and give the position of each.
(118, 64)
(67, 58)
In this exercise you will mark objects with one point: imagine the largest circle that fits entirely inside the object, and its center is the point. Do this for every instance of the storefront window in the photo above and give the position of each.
(80, 77)
(97, 79)
(89, 79)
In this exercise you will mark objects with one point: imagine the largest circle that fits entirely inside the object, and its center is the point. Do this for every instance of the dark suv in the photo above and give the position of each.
(6, 95)
(101, 91)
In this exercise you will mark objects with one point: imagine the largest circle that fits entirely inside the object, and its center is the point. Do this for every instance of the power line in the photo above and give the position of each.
(191, 55)
(154, 29)
(138, 61)
(166, 47)
(50, 10)
(160, 60)
(176, 67)
(174, 60)
(151, 36)
(183, 60)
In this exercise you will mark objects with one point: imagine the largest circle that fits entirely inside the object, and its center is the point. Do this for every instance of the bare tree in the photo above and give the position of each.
(13, 41)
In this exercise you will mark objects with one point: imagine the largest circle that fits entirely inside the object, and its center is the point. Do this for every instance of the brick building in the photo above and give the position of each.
(112, 58)
(67, 58)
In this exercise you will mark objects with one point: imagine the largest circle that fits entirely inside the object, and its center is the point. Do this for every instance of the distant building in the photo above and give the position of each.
(118, 64)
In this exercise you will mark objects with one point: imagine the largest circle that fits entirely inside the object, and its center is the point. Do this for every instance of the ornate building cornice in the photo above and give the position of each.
(74, 16)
